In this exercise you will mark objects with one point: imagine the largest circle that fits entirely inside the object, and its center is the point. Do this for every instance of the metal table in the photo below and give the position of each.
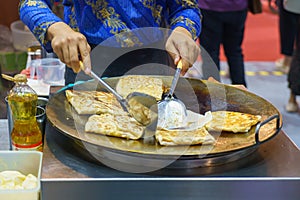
(271, 172)
(4, 140)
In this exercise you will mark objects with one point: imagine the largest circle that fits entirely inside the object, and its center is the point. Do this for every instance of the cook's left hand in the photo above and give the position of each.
(180, 45)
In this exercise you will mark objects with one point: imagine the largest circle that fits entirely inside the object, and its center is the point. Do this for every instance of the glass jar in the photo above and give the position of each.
(22, 99)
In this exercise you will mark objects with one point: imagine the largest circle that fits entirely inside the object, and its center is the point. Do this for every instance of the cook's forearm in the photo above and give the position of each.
(185, 14)
(38, 16)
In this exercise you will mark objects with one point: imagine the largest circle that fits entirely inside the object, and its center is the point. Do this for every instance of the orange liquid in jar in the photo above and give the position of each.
(26, 134)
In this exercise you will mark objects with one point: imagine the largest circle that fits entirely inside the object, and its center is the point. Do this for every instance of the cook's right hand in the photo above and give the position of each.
(70, 46)
(181, 46)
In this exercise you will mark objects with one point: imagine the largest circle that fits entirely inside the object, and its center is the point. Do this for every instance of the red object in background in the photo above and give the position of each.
(261, 40)
(27, 72)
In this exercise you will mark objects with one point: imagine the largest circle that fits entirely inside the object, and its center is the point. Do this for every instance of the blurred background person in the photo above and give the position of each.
(294, 73)
(223, 23)
(288, 22)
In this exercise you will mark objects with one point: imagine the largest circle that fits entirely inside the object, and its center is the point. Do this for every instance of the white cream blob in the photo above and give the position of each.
(173, 117)
(16, 180)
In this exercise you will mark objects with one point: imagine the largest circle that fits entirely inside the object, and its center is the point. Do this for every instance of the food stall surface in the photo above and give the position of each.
(270, 172)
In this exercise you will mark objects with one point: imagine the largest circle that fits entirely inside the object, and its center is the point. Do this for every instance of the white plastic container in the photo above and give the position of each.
(50, 70)
(26, 162)
(22, 37)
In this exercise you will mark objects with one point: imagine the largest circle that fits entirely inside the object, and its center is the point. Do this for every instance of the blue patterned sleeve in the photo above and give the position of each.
(38, 16)
(185, 13)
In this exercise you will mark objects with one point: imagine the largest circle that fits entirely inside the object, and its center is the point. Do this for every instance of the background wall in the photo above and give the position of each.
(8, 11)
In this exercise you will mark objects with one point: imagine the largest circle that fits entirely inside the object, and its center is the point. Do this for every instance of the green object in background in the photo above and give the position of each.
(13, 62)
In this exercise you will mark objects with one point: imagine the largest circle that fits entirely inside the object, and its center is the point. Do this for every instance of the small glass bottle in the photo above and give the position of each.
(22, 99)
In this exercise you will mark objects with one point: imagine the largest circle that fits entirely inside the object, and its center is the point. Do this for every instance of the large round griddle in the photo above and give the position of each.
(209, 96)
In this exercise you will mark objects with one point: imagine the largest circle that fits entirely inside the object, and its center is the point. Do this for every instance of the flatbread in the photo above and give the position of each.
(193, 132)
(184, 137)
(138, 83)
(115, 125)
(232, 121)
(94, 102)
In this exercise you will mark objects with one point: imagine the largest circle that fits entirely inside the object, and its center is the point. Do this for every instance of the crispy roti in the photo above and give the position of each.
(230, 121)
(115, 125)
(138, 83)
(192, 132)
(184, 137)
(94, 102)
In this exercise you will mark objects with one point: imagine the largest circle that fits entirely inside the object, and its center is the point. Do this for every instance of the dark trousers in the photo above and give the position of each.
(287, 30)
(225, 28)
(294, 73)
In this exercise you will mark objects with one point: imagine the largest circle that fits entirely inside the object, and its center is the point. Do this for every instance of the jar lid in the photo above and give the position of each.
(17, 78)
(20, 78)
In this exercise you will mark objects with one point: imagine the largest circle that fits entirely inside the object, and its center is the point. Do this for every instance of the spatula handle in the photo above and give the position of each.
(175, 78)
(95, 76)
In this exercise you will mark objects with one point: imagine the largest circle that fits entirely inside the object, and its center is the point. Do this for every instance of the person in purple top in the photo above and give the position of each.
(223, 23)
(293, 6)
(288, 22)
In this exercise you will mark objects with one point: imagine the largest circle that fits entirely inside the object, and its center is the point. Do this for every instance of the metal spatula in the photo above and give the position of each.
(140, 106)
(171, 111)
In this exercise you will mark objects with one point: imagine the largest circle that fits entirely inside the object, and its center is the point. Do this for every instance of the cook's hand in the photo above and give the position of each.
(69, 45)
(180, 45)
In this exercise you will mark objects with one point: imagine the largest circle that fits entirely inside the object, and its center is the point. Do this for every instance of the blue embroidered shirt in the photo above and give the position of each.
(101, 19)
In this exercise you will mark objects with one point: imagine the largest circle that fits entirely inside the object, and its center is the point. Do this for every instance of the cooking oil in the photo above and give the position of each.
(22, 99)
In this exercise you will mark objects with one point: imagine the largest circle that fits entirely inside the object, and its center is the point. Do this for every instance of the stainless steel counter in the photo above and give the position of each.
(4, 139)
(272, 171)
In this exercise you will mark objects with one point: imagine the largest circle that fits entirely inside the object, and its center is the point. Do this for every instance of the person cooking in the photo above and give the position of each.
(87, 23)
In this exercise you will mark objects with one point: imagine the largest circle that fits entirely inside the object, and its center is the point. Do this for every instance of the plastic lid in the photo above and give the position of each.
(20, 78)
(17, 78)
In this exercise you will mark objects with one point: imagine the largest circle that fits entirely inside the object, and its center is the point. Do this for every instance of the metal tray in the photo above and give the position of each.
(147, 155)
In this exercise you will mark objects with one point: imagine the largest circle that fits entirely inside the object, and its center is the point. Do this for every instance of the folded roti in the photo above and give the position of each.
(94, 102)
(138, 83)
(232, 121)
(115, 125)
(184, 137)
(191, 133)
